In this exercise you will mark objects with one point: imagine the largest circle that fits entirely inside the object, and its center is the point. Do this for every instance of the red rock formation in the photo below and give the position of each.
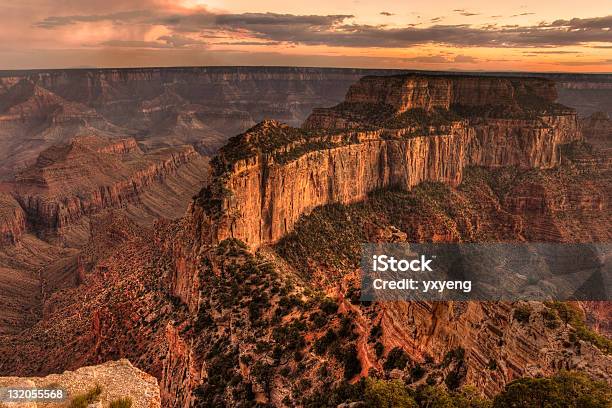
(164, 107)
(265, 180)
(88, 175)
(268, 193)
(269, 177)
(429, 92)
(12, 220)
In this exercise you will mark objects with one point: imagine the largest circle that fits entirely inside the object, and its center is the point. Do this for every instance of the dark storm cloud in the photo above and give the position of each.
(386, 13)
(118, 18)
(165, 41)
(337, 30)
(585, 23)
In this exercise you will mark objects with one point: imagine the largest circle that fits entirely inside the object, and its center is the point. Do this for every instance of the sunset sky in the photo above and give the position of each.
(511, 35)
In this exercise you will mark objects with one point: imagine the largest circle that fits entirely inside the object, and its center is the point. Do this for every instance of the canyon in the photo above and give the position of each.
(264, 189)
(273, 177)
(201, 106)
(48, 210)
(218, 278)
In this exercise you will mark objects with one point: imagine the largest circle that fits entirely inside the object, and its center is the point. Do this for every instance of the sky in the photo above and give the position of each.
(478, 35)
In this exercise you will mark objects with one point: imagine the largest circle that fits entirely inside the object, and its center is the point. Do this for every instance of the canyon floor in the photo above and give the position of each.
(234, 280)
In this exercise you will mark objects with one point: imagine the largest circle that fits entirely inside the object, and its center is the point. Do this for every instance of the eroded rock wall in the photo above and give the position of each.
(50, 206)
(12, 220)
(410, 92)
(265, 197)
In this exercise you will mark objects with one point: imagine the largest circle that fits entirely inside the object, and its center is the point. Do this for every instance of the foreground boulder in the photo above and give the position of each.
(105, 383)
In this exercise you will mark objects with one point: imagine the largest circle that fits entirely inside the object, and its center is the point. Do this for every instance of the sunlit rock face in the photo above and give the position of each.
(272, 174)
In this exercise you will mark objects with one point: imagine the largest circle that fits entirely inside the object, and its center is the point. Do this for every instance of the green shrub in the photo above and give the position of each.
(320, 346)
(352, 365)
(379, 348)
(328, 306)
(417, 372)
(82, 400)
(387, 394)
(437, 397)
(551, 320)
(522, 314)
(572, 316)
(397, 358)
(565, 389)
(125, 402)
(453, 355)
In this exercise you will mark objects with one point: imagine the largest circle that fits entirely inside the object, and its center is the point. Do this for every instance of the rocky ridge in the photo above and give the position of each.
(91, 174)
(266, 178)
(48, 213)
(159, 107)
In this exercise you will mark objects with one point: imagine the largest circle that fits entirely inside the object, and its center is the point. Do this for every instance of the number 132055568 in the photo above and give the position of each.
(24, 394)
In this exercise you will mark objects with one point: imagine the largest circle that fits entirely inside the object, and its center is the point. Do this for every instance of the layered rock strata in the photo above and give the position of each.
(265, 179)
(204, 106)
(404, 92)
(89, 175)
(269, 176)
(12, 220)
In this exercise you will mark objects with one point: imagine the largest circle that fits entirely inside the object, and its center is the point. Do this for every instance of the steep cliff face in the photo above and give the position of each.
(207, 105)
(12, 220)
(268, 178)
(263, 185)
(219, 325)
(500, 340)
(417, 91)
